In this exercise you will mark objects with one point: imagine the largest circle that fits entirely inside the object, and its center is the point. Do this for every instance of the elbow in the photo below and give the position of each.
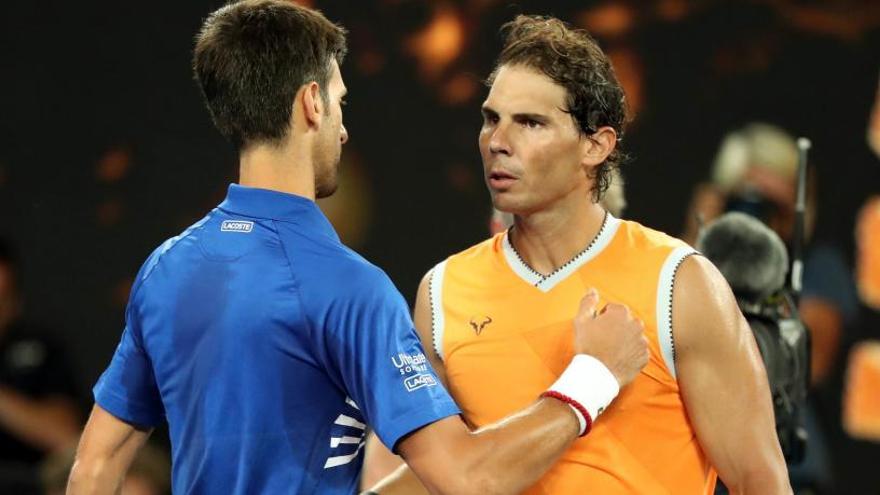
(474, 483)
(87, 476)
(766, 479)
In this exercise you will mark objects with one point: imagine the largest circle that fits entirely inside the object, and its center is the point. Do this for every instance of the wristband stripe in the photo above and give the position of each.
(575, 404)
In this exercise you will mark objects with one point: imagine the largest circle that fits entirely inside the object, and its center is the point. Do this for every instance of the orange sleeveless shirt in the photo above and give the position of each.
(504, 334)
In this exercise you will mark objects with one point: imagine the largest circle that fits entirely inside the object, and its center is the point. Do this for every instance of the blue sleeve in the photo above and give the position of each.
(128, 389)
(374, 348)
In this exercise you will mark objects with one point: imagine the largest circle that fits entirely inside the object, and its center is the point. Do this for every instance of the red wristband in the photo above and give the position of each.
(575, 404)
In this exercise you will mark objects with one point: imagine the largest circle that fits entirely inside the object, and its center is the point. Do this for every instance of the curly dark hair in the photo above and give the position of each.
(572, 59)
(252, 56)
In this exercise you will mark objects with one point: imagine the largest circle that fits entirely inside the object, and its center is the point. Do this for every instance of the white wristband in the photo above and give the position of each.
(590, 383)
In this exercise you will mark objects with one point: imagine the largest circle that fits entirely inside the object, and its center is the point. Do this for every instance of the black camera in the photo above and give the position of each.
(754, 261)
(784, 342)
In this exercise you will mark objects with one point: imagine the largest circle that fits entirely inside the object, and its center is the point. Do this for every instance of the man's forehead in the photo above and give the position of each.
(516, 87)
(336, 77)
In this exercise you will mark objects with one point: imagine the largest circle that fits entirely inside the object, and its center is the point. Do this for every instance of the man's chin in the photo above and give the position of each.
(326, 191)
(504, 203)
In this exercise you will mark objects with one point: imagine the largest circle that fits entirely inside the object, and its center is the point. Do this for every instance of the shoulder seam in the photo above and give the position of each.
(665, 289)
(296, 284)
(160, 252)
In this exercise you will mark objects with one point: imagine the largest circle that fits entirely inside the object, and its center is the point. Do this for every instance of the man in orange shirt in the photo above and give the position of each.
(493, 315)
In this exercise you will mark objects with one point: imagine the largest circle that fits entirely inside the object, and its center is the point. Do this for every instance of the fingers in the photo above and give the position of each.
(588, 304)
(587, 309)
(616, 308)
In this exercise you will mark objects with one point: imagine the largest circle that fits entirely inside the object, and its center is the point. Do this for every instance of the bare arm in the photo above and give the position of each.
(723, 382)
(511, 455)
(504, 458)
(106, 450)
(47, 424)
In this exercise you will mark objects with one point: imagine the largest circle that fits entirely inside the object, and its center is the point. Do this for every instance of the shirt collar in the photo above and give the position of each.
(276, 205)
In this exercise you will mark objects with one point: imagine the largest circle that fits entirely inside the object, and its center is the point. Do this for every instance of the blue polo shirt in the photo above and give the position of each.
(268, 346)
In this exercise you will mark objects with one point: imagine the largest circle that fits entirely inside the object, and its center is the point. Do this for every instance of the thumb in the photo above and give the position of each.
(589, 302)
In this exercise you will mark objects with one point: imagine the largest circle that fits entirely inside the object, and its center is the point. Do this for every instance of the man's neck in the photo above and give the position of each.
(550, 238)
(277, 169)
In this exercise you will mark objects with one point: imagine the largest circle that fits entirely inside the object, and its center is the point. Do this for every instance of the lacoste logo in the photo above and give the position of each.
(478, 323)
(419, 381)
(236, 226)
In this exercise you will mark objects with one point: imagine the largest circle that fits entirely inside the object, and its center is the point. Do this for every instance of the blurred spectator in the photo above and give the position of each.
(755, 172)
(150, 472)
(38, 414)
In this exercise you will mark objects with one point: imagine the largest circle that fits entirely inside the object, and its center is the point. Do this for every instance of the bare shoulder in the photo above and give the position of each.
(423, 318)
(704, 309)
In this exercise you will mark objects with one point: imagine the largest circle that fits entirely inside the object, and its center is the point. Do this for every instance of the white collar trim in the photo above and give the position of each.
(546, 283)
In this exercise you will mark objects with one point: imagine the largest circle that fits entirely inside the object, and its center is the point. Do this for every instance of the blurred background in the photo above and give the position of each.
(106, 150)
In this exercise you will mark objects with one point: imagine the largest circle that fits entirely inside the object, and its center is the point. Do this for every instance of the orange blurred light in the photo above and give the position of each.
(114, 164)
(608, 20)
(874, 125)
(672, 10)
(460, 89)
(350, 209)
(439, 43)
(628, 68)
(861, 401)
(868, 255)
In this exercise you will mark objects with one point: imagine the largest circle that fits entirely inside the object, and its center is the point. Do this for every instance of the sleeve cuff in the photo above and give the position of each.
(405, 424)
(125, 410)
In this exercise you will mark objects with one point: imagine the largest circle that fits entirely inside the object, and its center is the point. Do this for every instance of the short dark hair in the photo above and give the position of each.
(252, 56)
(572, 59)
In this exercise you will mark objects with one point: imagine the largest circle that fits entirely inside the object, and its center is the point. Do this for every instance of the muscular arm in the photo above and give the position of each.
(106, 450)
(723, 382)
(504, 458)
(47, 424)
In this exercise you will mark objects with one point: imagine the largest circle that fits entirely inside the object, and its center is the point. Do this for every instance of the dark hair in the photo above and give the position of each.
(252, 56)
(572, 59)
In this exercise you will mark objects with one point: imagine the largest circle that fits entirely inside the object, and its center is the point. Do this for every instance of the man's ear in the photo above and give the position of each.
(598, 146)
(312, 104)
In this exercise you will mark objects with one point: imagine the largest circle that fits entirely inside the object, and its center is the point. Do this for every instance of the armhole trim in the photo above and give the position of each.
(435, 294)
(665, 287)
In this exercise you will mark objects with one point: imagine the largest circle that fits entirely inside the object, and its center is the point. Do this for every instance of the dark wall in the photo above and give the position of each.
(105, 149)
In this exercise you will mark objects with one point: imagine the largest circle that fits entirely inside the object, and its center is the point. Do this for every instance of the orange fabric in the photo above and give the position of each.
(505, 341)
(861, 401)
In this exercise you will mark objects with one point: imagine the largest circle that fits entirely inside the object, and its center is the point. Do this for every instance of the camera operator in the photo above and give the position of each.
(755, 172)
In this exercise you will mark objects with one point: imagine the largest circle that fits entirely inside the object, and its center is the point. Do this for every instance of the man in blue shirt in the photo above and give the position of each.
(268, 346)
